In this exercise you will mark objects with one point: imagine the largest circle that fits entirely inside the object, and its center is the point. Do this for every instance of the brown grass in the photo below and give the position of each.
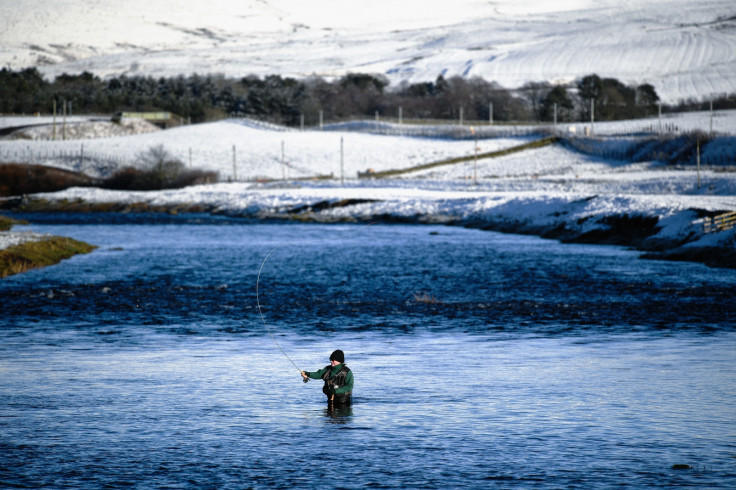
(31, 255)
(451, 161)
(18, 179)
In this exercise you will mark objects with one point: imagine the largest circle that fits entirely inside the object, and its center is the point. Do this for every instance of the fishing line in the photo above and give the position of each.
(258, 282)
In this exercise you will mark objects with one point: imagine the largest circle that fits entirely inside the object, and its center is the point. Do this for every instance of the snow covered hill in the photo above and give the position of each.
(683, 48)
(242, 149)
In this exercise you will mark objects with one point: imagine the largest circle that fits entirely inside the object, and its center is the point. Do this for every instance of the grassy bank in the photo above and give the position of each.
(7, 223)
(31, 255)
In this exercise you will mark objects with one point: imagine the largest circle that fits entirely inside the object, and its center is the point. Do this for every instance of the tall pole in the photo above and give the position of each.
(376, 120)
(54, 119)
(461, 116)
(555, 124)
(63, 124)
(401, 120)
(321, 119)
(235, 174)
(592, 115)
(283, 162)
(490, 113)
(342, 161)
(698, 162)
(711, 116)
(475, 155)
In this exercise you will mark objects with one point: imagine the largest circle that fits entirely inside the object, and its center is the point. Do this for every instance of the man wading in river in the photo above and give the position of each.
(338, 379)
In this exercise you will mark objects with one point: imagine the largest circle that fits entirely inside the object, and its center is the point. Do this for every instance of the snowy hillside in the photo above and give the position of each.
(683, 48)
(552, 191)
(242, 149)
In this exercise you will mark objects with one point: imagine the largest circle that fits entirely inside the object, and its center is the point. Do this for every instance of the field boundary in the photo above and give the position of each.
(451, 161)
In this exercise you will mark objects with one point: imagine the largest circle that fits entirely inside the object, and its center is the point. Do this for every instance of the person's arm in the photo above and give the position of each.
(314, 374)
(348, 385)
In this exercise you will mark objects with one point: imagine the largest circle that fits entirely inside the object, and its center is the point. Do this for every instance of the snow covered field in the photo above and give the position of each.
(534, 191)
(683, 48)
(241, 149)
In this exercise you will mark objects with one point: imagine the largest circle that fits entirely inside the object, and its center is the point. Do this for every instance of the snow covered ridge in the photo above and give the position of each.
(683, 48)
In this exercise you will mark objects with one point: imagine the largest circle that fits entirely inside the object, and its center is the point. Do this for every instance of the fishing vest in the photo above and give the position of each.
(338, 381)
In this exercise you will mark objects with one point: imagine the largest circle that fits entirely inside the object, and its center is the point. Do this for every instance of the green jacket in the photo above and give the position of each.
(346, 388)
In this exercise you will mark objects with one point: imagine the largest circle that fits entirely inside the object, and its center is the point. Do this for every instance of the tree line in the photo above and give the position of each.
(291, 101)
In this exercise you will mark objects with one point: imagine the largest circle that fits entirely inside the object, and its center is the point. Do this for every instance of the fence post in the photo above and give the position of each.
(698, 159)
(54, 119)
(475, 155)
(63, 124)
(235, 175)
(592, 116)
(342, 161)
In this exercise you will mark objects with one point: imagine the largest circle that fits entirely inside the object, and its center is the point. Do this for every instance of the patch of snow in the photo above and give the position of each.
(12, 238)
(85, 130)
(683, 48)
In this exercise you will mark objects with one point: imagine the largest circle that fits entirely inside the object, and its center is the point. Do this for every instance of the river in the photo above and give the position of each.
(480, 360)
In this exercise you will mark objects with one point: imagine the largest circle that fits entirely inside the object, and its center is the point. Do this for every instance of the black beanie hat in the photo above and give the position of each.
(338, 356)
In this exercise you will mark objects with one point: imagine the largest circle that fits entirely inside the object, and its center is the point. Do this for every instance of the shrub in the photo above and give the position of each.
(18, 179)
(158, 170)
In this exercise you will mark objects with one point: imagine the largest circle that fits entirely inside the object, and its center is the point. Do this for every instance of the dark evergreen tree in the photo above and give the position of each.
(590, 88)
(559, 98)
(647, 99)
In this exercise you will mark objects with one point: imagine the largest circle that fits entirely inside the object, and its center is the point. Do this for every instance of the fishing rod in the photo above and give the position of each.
(258, 301)
(258, 298)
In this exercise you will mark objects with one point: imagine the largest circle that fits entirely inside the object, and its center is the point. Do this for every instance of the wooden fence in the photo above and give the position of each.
(720, 222)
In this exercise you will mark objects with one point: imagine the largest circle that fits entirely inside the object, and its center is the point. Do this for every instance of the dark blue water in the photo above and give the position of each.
(480, 360)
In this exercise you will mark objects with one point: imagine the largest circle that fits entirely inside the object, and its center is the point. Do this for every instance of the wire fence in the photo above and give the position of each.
(673, 148)
(680, 149)
(434, 130)
(94, 164)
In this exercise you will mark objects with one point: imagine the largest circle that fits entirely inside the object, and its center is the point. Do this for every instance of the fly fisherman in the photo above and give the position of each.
(338, 379)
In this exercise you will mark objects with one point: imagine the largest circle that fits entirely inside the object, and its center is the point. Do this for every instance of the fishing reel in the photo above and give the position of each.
(306, 380)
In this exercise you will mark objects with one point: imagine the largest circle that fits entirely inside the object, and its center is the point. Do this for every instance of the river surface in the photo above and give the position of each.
(480, 360)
